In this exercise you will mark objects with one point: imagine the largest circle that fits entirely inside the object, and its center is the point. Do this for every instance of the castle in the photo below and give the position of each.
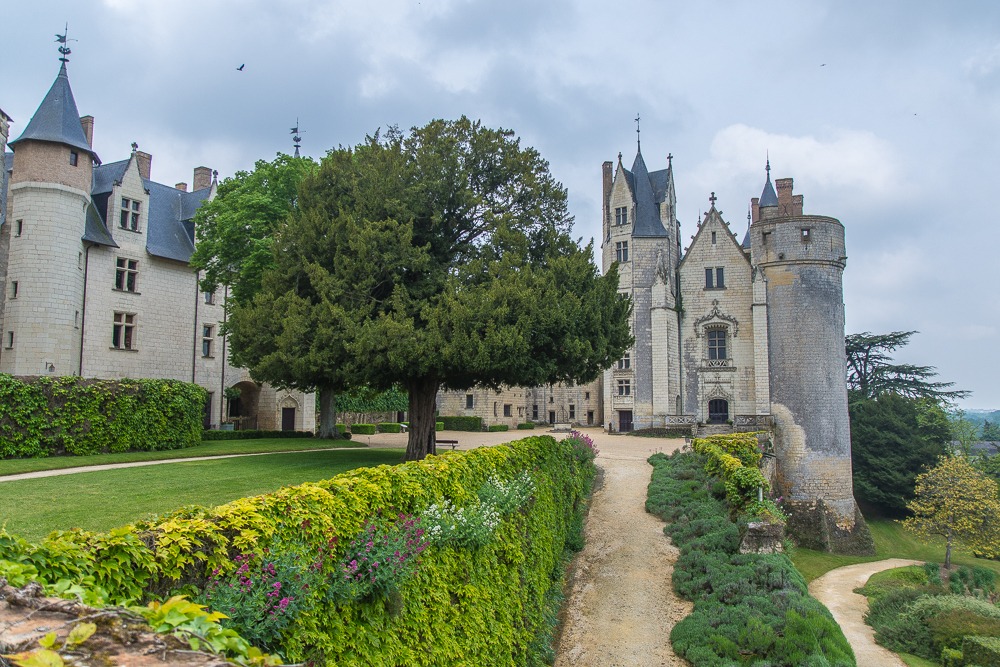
(94, 268)
(729, 335)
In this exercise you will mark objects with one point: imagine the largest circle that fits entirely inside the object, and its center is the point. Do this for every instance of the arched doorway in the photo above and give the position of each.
(242, 405)
(718, 411)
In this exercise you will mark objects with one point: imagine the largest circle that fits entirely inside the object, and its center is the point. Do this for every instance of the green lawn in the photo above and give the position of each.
(207, 448)
(891, 541)
(104, 499)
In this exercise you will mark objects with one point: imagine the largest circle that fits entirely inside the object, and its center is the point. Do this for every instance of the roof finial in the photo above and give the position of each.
(135, 147)
(638, 144)
(296, 138)
(215, 175)
(713, 199)
(768, 167)
(670, 160)
(64, 40)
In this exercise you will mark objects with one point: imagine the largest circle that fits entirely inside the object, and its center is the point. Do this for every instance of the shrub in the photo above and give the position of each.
(438, 426)
(462, 423)
(494, 428)
(363, 429)
(748, 608)
(983, 651)
(56, 416)
(734, 459)
(662, 432)
(253, 435)
(504, 586)
(526, 426)
(389, 427)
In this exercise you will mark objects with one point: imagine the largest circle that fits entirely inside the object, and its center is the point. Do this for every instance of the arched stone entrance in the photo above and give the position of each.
(242, 408)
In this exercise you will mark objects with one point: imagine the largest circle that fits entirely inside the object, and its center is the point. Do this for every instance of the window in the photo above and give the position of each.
(621, 215)
(717, 344)
(713, 238)
(534, 411)
(79, 260)
(18, 227)
(123, 332)
(126, 273)
(621, 251)
(207, 338)
(805, 234)
(13, 289)
(506, 410)
(520, 411)
(129, 218)
(76, 319)
(625, 362)
(469, 404)
(74, 157)
(624, 387)
(764, 237)
(552, 399)
(209, 297)
(572, 411)
(586, 396)
(9, 343)
(715, 278)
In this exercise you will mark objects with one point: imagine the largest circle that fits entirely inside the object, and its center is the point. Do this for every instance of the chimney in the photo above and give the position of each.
(145, 162)
(202, 179)
(608, 177)
(784, 188)
(183, 187)
(88, 129)
(755, 210)
(796, 204)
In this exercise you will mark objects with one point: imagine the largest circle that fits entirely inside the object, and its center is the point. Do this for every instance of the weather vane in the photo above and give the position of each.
(638, 143)
(296, 137)
(64, 40)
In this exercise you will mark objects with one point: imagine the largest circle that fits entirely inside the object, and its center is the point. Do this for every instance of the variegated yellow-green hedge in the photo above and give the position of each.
(50, 416)
(735, 459)
(462, 606)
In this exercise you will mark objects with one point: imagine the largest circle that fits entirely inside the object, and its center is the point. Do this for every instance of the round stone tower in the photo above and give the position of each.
(50, 201)
(801, 260)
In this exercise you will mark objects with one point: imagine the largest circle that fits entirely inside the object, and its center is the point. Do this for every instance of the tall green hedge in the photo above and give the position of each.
(463, 606)
(462, 423)
(252, 434)
(52, 416)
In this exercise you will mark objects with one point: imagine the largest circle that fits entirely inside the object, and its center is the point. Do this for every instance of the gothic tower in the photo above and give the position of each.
(49, 207)
(800, 259)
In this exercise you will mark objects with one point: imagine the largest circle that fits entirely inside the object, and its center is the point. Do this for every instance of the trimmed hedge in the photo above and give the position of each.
(56, 416)
(438, 426)
(494, 428)
(485, 605)
(363, 429)
(982, 651)
(527, 426)
(749, 609)
(253, 435)
(462, 423)
(389, 427)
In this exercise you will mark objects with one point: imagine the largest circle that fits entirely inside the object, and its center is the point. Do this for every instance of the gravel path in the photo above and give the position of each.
(620, 606)
(835, 589)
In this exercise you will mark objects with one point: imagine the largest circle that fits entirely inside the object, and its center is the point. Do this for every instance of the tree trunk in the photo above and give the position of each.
(947, 553)
(423, 408)
(327, 413)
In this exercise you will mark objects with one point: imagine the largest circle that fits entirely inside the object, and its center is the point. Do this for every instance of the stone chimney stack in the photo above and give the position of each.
(755, 209)
(145, 162)
(183, 187)
(797, 203)
(784, 188)
(88, 129)
(202, 179)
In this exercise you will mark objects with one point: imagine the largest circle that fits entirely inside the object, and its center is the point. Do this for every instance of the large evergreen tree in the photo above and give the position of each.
(437, 259)
(871, 370)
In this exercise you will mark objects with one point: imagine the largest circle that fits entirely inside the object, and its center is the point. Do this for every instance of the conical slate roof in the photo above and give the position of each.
(647, 219)
(57, 119)
(768, 197)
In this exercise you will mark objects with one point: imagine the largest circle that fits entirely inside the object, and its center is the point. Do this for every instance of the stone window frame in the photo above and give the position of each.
(13, 289)
(209, 297)
(621, 216)
(621, 251)
(74, 158)
(508, 410)
(624, 387)
(470, 402)
(572, 411)
(129, 214)
(9, 340)
(534, 411)
(714, 335)
(123, 331)
(625, 362)
(715, 277)
(18, 227)
(207, 341)
(126, 275)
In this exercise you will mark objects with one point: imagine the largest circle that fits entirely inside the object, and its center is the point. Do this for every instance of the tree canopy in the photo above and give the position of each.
(441, 258)
(236, 229)
(955, 501)
(871, 371)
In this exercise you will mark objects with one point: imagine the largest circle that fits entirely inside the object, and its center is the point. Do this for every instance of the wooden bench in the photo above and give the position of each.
(451, 443)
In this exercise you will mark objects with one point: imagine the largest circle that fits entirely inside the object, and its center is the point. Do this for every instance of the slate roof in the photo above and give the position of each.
(95, 230)
(170, 231)
(768, 197)
(647, 217)
(106, 175)
(746, 240)
(57, 119)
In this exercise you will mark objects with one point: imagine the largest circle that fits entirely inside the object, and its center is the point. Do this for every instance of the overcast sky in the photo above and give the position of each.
(886, 114)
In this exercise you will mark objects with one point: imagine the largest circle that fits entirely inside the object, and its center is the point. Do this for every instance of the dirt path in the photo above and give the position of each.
(620, 606)
(835, 589)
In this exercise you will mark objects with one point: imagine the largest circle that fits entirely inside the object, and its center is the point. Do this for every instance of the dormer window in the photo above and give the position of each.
(129, 218)
(74, 158)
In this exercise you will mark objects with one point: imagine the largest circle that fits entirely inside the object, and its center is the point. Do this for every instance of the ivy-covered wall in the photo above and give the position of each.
(479, 604)
(52, 416)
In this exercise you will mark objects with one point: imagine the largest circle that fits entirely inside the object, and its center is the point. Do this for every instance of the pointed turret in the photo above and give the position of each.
(647, 218)
(768, 196)
(57, 119)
